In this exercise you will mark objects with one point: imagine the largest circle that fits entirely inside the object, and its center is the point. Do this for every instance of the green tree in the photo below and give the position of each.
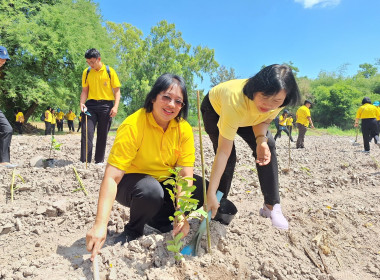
(367, 70)
(47, 41)
(222, 75)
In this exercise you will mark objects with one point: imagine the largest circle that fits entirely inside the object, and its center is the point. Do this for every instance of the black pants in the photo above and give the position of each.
(370, 130)
(268, 174)
(60, 125)
(47, 128)
(284, 129)
(70, 124)
(79, 126)
(6, 131)
(100, 118)
(19, 127)
(301, 135)
(53, 129)
(149, 200)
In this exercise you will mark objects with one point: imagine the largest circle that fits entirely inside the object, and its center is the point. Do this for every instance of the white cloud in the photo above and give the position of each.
(321, 3)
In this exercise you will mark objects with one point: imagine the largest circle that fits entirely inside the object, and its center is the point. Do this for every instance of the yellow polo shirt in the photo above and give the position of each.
(367, 111)
(20, 117)
(142, 146)
(70, 116)
(60, 115)
(282, 120)
(235, 109)
(289, 121)
(53, 119)
(378, 117)
(48, 118)
(302, 113)
(98, 82)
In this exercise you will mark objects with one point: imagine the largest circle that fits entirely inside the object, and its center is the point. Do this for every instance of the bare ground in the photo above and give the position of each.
(330, 193)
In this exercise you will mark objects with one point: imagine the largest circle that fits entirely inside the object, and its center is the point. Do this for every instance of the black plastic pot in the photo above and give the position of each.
(49, 162)
(226, 211)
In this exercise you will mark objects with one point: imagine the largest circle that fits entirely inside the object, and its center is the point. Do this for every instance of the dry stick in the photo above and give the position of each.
(289, 152)
(86, 140)
(80, 182)
(12, 182)
(311, 257)
(323, 261)
(203, 176)
(95, 268)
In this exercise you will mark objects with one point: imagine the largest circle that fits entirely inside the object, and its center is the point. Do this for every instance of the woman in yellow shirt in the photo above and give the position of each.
(368, 113)
(48, 118)
(53, 121)
(246, 107)
(282, 126)
(19, 120)
(148, 143)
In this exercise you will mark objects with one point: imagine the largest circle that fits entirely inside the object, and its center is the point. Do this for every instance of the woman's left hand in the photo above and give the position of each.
(263, 153)
(183, 226)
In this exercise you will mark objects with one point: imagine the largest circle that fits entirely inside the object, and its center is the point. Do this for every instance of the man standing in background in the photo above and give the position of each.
(303, 120)
(60, 116)
(6, 129)
(100, 97)
(70, 116)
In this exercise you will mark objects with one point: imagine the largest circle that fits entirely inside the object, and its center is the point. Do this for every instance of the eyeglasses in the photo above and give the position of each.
(167, 99)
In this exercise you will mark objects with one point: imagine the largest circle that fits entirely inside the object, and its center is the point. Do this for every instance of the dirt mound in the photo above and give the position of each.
(330, 194)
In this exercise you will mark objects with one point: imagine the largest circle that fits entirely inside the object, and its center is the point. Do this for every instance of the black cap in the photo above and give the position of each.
(308, 101)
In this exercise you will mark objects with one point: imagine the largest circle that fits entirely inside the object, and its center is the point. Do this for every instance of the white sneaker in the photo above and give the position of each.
(100, 164)
(278, 219)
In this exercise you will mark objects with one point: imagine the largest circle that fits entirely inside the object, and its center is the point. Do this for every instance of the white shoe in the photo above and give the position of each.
(100, 164)
(278, 219)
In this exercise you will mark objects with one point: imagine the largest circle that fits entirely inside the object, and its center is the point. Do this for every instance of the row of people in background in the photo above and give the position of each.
(284, 122)
(53, 119)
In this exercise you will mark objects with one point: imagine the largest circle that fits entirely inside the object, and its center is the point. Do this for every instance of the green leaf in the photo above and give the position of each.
(170, 182)
(178, 237)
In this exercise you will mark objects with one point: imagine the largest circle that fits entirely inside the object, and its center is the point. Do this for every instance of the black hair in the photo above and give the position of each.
(48, 108)
(92, 53)
(164, 82)
(366, 100)
(271, 80)
(307, 101)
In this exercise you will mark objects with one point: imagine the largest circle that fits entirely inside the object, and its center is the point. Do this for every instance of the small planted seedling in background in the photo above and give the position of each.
(14, 188)
(54, 145)
(185, 206)
(82, 188)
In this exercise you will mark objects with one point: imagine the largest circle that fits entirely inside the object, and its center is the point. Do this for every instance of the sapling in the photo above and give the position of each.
(185, 206)
(14, 188)
(54, 145)
(82, 188)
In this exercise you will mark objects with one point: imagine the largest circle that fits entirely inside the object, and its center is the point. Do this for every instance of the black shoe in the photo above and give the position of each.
(126, 236)
(163, 228)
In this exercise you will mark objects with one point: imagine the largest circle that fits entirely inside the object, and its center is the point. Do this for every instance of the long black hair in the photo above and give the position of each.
(271, 80)
(164, 82)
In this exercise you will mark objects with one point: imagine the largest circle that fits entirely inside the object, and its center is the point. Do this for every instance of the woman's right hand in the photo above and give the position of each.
(95, 239)
(212, 203)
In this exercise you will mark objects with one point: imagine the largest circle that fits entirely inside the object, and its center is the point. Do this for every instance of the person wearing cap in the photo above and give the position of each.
(303, 120)
(377, 105)
(6, 129)
(100, 97)
(282, 126)
(368, 113)
(246, 107)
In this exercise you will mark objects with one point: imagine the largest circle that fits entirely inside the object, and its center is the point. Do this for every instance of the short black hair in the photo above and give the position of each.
(271, 80)
(366, 100)
(163, 83)
(92, 53)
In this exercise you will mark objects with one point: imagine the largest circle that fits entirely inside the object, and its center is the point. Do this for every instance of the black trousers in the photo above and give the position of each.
(284, 129)
(60, 125)
(100, 118)
(79, 126)
(268, 174)
(19, 127)
(301, 135)
(149, 200)
(6, 131)
(53, 129)
(70, 124)
(370, 130)
(47, 128)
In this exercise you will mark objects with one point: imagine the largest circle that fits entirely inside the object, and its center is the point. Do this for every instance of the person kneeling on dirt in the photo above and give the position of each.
(148, 143)
(246, 107)
(283, 126)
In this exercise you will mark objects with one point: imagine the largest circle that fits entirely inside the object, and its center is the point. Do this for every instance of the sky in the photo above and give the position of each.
(316, 35)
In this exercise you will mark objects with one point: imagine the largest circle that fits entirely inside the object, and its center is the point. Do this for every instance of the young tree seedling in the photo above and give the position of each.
(82, 188)
(14, 188)
(185, 206)
(54, 145)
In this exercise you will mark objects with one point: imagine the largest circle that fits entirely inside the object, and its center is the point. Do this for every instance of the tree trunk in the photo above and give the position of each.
(30, 111)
